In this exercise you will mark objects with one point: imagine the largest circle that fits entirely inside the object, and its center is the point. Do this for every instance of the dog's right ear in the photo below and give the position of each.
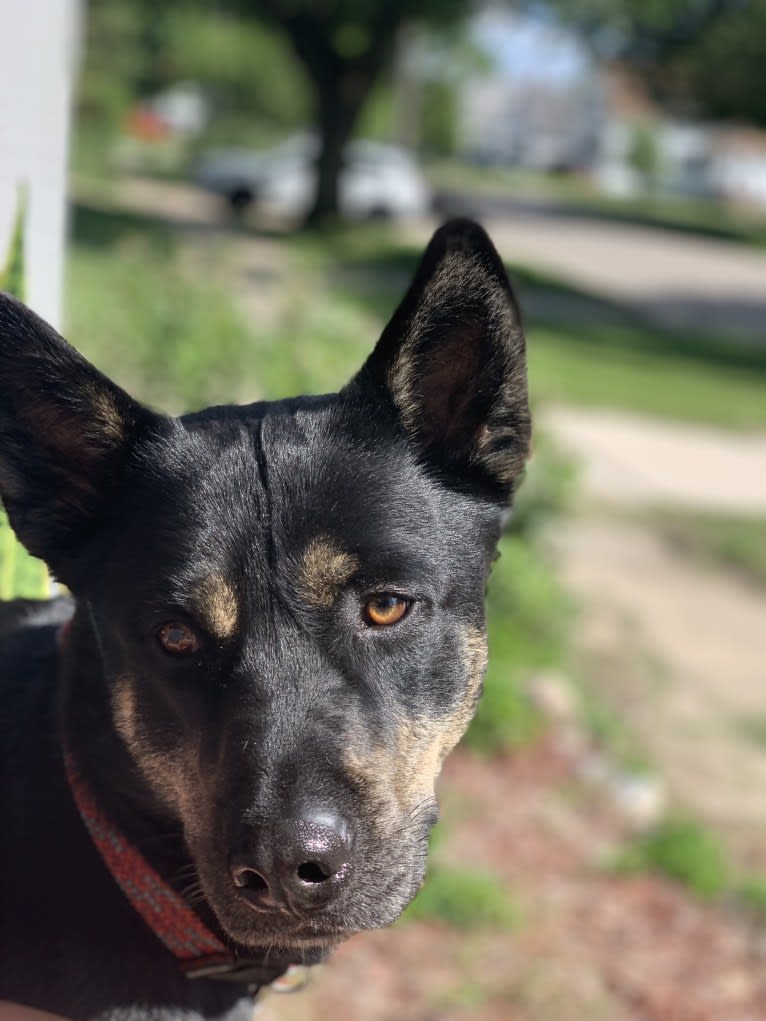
(451, 364)
(65, 430)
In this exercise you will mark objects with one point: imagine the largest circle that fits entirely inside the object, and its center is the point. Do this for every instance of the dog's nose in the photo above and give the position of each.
(299, 865)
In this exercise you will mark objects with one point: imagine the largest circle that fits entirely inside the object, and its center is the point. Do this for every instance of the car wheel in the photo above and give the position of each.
(239, 199)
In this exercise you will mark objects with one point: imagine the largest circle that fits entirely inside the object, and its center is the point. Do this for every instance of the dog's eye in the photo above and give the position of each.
(178, 639)
(385, 609)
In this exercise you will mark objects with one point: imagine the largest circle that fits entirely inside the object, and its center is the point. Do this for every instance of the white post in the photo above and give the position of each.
(38, 47)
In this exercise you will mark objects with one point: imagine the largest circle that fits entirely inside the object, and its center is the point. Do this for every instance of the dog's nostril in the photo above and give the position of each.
(312, 872)
(249, 879)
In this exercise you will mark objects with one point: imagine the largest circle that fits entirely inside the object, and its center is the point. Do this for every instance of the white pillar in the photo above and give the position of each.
(38, 48)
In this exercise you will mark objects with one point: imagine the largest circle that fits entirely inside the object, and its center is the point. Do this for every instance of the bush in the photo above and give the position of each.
(463, 899)
(683, 850)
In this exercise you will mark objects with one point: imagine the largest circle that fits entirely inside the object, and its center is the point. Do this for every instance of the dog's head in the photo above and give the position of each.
(287, 597)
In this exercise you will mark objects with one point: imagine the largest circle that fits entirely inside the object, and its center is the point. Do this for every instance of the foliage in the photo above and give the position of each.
(12, 273)
(733, 540)
(707, 55)
(245, 67)
(464, 899)
(751, 894)
(343, 47)
(546, 490)
(20, 574)
(527, 617)
(439, 118)
(643, 154)
(172, 341)
(683, 850)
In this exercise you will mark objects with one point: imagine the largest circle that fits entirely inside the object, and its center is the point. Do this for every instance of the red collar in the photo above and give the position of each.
(197, 950)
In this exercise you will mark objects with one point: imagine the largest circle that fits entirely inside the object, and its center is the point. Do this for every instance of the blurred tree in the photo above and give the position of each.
(344, 45)
(643, 153)
(704, 55)
(134, 49)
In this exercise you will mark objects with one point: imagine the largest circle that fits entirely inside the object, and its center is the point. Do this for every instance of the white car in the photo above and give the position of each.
(376, 180)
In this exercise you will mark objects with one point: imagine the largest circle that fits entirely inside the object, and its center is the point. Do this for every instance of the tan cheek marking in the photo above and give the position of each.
(325, 568)
(422, 744)
(216, 602)
(164, 773)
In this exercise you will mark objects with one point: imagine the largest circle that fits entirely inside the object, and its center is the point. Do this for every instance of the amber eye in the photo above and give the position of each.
(178, 639)
(386, 609)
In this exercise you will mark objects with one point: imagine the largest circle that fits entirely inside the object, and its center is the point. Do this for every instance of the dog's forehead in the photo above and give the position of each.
(292, 483)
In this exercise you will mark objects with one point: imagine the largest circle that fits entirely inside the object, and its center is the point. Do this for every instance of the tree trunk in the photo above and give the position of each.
(340, 102)
(342, 84)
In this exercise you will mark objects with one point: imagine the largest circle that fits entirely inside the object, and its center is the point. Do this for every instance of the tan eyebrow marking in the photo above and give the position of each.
(325, 568)
(216, 601)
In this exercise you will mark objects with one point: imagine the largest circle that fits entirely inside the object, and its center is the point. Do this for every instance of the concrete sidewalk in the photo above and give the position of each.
(630, 461)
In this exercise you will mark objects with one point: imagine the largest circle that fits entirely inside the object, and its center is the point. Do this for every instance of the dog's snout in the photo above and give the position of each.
(294, 865)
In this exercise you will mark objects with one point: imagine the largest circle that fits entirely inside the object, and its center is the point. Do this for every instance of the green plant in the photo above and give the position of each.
(464, 899)
(751, 894)
(12, 274)
(547, 490)
(684, 850)
(20, 574)
(528, 617)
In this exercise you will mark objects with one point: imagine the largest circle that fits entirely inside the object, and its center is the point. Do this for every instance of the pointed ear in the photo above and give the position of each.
(65, 430)
(452, 361)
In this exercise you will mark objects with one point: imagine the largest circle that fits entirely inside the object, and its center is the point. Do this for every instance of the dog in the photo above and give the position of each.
(219, 753)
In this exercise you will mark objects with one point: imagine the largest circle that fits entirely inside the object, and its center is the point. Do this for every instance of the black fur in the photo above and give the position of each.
(400, 483)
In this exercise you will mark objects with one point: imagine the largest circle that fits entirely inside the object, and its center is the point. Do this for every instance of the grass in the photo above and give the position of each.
(686, 851)
(683, 850)
(612, 366)
(21, 575)
(528, 616)
(735, 541)
(464, 899)
(173, 342)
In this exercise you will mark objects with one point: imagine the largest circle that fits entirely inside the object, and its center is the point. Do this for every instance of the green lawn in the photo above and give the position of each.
(736, 541)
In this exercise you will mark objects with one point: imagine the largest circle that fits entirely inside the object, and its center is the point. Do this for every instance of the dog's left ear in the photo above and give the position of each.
(65, 430)
(452, 362)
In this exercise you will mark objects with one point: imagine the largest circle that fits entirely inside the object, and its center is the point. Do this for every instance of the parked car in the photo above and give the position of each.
(376, 180)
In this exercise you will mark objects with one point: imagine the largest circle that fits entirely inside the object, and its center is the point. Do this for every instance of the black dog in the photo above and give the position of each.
(276, 636)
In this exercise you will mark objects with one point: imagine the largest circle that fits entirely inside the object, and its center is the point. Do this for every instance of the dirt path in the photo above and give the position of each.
(677, 646)
(628, 461)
